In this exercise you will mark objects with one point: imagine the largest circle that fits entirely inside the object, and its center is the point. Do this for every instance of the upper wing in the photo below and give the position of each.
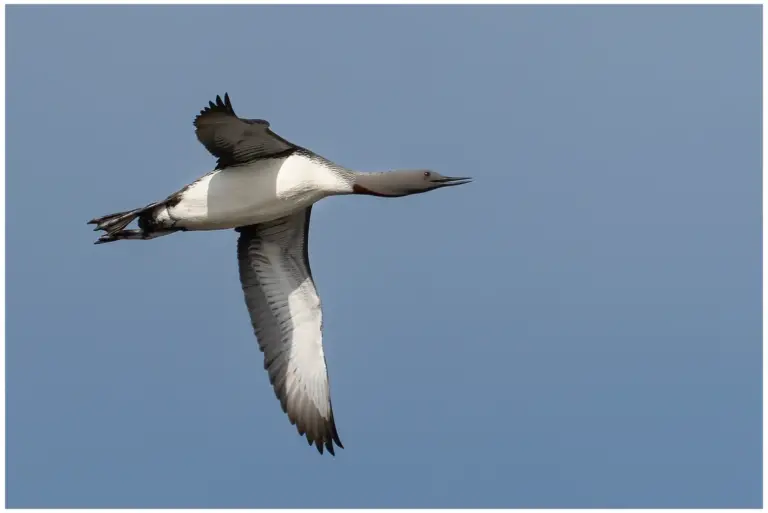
(287, 320)
(235, 140)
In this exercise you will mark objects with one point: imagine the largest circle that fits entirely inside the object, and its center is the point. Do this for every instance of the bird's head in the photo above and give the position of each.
(404, 182)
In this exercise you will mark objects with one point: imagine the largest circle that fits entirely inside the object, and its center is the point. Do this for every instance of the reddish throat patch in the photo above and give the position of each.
(359, 189)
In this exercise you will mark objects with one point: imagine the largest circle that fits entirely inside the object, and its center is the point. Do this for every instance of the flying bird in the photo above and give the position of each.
(264, 186)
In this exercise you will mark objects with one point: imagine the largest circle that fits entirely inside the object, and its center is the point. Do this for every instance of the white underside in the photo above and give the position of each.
(254, 193)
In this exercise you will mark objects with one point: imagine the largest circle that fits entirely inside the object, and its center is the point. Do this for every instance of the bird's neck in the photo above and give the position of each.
(346, 181)
(319, 173)
(372, 184)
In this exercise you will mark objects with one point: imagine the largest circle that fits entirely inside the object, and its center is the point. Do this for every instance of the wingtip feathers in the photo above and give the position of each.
(222, 106)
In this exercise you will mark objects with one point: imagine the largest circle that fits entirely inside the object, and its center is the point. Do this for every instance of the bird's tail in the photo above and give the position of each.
(114, 225)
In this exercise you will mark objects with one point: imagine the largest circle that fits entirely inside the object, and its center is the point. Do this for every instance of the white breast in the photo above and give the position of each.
(254, 193)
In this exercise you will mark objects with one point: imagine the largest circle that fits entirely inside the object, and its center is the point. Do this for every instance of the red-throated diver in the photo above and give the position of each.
(264, 187)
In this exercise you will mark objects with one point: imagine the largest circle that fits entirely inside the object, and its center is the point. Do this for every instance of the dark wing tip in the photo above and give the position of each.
(220, 107)
(324, 443)
(331, 435)
(324, 439)
(334, 432)
(328, 439)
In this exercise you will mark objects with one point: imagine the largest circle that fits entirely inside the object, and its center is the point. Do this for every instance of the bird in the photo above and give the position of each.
(264, 187)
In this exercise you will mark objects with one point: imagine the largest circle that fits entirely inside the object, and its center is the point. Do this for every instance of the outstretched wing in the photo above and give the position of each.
(287, 320)
(235, 140)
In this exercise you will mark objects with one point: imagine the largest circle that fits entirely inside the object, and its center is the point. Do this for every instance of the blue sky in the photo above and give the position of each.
(580, 327)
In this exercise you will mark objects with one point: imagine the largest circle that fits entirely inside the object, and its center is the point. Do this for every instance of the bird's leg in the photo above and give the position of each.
(133, 235)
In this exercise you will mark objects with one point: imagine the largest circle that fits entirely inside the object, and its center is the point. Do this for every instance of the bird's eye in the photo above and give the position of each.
(427, 174)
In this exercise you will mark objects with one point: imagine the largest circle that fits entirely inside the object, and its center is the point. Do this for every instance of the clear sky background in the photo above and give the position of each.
(580, 327)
